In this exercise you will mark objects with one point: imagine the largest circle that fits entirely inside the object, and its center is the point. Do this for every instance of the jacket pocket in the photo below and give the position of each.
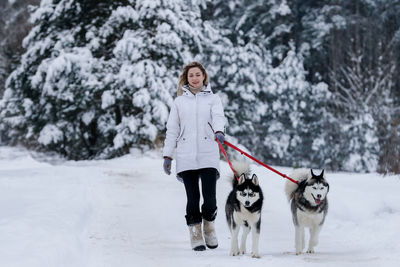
(207, 143)
(208, 133)
(182, 144)
(180, 134)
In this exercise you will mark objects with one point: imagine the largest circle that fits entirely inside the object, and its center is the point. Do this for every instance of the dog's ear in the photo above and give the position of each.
(242, 178)
(322, 174)
(254, 179)
(312, 174)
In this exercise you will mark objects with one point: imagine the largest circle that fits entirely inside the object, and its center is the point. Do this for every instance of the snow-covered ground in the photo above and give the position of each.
(127, 212)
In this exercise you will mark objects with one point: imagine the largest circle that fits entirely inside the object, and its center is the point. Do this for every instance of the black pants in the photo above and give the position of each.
(208, 178)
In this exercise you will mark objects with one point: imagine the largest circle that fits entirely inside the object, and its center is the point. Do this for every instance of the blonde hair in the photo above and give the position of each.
(183, 78)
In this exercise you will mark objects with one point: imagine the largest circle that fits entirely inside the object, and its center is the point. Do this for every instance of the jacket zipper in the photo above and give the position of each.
(197, 132)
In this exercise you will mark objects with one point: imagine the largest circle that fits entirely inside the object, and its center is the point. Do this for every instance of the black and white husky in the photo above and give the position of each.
(243, 208)
(309, 205)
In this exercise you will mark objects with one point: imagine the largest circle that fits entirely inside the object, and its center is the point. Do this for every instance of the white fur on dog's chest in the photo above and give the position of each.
(309, 219)
(245, 215)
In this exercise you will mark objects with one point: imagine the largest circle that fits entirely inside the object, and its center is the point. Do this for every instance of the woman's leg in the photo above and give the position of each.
(209, 207)
(193, 215)
(208, 185)
(191, 181)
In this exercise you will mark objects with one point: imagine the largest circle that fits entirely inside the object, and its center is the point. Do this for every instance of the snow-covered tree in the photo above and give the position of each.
(270, 104)
(293, 122)
(264, 23)
(98, 76)
(51, 98)
(162, 37)
(237, 75)
(364, 96)
(363, 81)
(304, 83)
(14, 26)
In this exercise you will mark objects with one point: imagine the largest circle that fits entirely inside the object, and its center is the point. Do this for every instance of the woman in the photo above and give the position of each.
(195, 121)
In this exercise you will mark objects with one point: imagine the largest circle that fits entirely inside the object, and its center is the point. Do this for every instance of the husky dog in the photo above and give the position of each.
(243, 208)
(309, 205)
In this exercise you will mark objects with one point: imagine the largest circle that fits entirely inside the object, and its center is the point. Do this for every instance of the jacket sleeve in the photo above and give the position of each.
(218, 117)
(173, 130)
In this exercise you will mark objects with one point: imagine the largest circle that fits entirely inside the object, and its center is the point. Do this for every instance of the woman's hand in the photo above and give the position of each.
(220, 136)
(167, 165)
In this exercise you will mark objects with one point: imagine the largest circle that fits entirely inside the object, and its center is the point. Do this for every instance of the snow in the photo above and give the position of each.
(87, 117)
(50, 134)
(107, 99)
(283, 9)
(127, 212)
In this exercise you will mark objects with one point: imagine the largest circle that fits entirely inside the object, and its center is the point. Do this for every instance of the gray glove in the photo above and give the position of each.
(167, 165)
(220, 136)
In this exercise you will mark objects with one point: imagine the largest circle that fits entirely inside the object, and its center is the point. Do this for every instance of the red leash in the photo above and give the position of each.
(226, 156)
(253, 158)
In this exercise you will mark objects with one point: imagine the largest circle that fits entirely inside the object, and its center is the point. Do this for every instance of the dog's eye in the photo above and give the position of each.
(314, 187)
(251, 194)
(243, 194)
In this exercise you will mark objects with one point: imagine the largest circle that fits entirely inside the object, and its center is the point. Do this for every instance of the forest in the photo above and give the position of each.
(303, 82)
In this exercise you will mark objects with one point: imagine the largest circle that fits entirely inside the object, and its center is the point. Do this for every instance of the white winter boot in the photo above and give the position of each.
(196, 237)
(209, 234)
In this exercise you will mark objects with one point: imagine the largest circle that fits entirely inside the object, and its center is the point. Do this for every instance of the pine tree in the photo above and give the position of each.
(304, 83)
(270, 104)
(98, 76)
(363, 79)
(293, 123)
(148, 59)
(14, 26)
(237, 78)
(238, 68)
(264, 23)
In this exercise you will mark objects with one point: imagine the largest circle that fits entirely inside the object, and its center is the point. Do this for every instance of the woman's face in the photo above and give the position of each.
(195, 77)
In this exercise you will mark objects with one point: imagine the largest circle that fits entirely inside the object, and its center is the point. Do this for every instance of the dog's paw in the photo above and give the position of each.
(234, 253)
(298, 252)
(310, 251)
(255, 255)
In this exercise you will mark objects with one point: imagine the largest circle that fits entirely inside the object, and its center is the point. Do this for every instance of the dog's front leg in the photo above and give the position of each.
(255, 232)
(234, 241)
(314, 234)
(246, 230)
(299, 240)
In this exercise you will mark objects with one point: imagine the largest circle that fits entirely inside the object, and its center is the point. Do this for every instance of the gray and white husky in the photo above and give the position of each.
(309, 205)
(243, 209)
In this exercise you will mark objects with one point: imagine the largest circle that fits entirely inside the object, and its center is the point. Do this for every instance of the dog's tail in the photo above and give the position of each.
(240, 167)
(297, 175)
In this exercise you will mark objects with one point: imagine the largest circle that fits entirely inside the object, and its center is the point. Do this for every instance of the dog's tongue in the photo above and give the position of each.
(318, 201)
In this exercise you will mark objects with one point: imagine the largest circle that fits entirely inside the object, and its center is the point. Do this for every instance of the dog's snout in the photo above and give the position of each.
(247, 203)
(319, 196)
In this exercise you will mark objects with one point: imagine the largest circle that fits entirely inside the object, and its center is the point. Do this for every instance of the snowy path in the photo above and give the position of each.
(126, 212)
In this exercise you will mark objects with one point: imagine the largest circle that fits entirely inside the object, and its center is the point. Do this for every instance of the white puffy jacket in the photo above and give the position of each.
(189, 132)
